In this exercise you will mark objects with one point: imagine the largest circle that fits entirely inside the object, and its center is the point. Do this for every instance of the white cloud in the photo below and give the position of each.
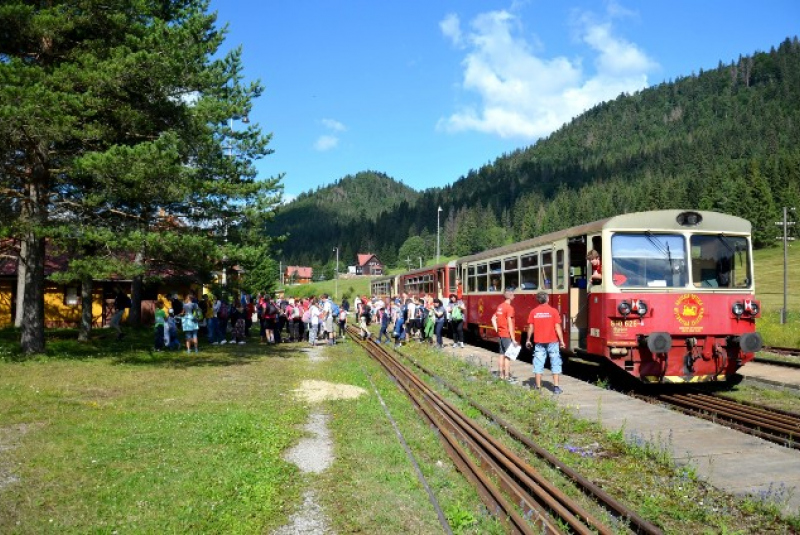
(522, 94)
(334, 125)
(451, 28)
(326, 142)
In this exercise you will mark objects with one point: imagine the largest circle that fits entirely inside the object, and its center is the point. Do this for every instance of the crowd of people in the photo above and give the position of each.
(313, 320)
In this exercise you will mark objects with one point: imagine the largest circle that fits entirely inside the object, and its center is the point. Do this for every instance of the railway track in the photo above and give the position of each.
(770, 424)
(522, 499)
(793, 351)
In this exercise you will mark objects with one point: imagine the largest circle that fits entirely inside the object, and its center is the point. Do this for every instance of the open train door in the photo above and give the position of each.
(594, 302)
(578, 312)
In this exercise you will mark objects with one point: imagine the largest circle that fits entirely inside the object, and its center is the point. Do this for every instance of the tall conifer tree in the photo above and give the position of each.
(116, 132)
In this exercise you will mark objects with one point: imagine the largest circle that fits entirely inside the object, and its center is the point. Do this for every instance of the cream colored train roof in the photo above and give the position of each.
(656, 221)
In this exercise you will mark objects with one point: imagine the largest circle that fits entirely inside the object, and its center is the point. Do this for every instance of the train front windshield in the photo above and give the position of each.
(652, 260)
(720, 261)
(660, 260)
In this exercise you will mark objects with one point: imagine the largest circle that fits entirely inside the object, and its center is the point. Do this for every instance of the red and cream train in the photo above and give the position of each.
(675, 302)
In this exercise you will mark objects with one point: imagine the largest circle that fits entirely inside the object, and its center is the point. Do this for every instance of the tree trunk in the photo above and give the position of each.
(32, 337)
(86, 310)
(20, 284)
(32, 255)
(135, 313)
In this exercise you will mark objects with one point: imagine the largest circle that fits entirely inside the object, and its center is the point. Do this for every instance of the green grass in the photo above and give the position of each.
(109, 436)
(350, 287)
(148, 443)
(769, 278)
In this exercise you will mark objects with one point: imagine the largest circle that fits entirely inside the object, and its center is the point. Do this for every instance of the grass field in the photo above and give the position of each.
(111, 437)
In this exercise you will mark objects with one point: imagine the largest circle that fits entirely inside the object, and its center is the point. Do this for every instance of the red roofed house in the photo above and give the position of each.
(297, 275)
(368, 264)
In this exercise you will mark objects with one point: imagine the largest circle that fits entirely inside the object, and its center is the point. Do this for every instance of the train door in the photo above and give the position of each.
(578, 299)
(594, 342)
(560, 286)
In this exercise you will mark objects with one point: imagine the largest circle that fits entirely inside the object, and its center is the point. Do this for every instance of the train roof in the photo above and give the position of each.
(652, 220)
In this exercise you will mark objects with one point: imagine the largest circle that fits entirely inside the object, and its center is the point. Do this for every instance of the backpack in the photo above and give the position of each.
(342, 315)
(223, 311)
(197, 314)
(272, 310)
(295, 312)
(335, 309)
(456, 314)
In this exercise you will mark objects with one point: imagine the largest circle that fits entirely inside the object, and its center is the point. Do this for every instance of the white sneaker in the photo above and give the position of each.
(242, 342)
(223, 342)
(461, 344)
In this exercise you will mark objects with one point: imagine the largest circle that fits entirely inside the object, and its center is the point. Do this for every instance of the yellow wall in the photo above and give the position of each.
(59, 314)
(5, 302)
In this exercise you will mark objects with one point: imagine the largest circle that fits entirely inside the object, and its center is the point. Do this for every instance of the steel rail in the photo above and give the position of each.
(513, 474)
(636, 523)
(780, 428)
(489, 492)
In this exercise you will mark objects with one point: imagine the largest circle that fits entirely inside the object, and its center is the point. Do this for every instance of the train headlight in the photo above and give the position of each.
(624, 308)
(641, 308)
(737, 309)
(754, 308)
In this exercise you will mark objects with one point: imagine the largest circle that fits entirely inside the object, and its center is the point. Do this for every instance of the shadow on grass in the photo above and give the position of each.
(136, 348)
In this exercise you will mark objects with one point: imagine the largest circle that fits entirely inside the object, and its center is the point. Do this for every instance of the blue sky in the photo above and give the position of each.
(425, 90)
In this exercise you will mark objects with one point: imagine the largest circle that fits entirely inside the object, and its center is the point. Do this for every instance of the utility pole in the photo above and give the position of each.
(438, 248)
(408, 262)
(786, 239)
(336, 276)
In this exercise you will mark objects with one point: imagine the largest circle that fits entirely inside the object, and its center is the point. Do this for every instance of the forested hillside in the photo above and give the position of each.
(726, 139)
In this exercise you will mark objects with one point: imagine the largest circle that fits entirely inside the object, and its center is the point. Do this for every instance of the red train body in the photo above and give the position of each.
(675, 302)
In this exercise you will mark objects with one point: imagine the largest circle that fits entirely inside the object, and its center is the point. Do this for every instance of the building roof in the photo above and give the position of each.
(363, 259)
(303, 272)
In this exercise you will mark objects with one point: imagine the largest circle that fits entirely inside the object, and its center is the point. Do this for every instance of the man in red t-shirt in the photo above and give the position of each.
(546, 333)
(503, 323)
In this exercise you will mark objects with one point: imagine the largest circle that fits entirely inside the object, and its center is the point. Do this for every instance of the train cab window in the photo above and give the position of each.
(648, 259)
(547, 270)
(529, 272)
(720, 261)
(495, 274)
(481, 284)
(451, 280)
(510, 273)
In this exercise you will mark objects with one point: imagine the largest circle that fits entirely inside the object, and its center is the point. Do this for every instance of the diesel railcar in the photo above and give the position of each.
(675, 301)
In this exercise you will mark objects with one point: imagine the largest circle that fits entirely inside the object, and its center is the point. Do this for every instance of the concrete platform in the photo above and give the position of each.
(727, 459)
(775, 376)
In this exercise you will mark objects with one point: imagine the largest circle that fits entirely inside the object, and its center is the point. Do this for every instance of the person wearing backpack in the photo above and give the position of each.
(121, 303)
(455, 309)
(342, 320)
(190, 323)
(222, 310)
(386, 320)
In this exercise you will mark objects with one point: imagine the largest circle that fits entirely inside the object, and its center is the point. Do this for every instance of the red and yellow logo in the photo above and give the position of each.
(480, 307)
(689, 310)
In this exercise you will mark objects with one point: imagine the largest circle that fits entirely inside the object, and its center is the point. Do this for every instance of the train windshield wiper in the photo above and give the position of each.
(660, 246)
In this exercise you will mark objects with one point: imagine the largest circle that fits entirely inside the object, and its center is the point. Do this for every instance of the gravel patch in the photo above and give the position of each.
(314, 453)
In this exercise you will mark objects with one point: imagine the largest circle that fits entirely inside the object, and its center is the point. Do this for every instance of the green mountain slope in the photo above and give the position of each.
(727, 139)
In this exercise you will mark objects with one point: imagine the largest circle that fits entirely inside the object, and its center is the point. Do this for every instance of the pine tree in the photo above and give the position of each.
(115, 120)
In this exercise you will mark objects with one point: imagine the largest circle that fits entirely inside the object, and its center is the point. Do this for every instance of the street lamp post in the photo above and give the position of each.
(336, 276)
(438, 248)
(420, 262)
